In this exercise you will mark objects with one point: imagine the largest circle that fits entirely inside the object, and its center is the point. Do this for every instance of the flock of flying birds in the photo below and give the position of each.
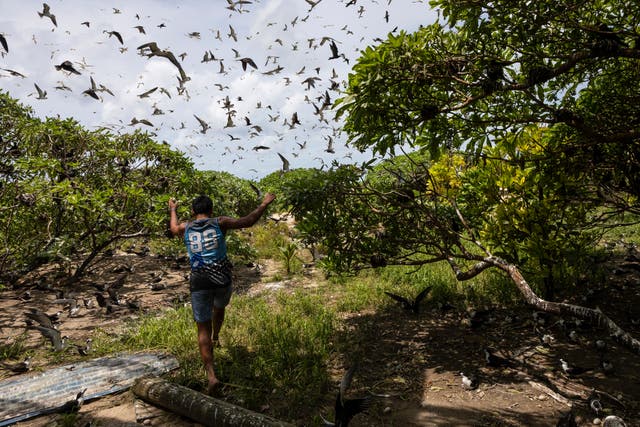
(256, 126)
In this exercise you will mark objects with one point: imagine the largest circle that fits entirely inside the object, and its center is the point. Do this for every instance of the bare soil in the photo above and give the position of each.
(410, 363)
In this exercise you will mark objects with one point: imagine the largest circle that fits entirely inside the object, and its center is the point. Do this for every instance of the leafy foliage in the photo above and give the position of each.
(68, 191)
(528, 111)
(492, 69)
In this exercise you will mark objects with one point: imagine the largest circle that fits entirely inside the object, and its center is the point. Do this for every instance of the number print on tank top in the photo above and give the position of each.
(203, 240)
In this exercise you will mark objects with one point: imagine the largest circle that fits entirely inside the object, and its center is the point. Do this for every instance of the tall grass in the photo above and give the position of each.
(281, 345)
(366, 291)
(14, 349)
(267, 238)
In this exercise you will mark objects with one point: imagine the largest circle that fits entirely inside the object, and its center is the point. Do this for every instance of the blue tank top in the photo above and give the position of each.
(205, 242)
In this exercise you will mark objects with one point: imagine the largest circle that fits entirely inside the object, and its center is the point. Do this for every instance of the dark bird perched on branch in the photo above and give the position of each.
(413, 305)
(346, 409)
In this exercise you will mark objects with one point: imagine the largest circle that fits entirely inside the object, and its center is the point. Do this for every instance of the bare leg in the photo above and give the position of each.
(206, 353)
(218, 318)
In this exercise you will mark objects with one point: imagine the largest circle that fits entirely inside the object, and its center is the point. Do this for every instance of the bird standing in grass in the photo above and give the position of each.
(19, 367)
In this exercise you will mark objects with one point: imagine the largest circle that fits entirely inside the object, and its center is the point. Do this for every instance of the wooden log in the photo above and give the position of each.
(199, 407)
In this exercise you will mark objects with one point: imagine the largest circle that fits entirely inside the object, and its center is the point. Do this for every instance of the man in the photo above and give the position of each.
(210, 281)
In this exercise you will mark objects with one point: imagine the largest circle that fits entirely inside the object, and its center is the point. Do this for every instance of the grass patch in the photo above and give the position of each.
(15, 349)
(268, 237)
(628, 234)
(366, 291)
(281, 345)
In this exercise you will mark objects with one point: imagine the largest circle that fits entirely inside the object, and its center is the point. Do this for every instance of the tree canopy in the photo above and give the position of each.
(522, 121)
(491, 69)
(67, 192)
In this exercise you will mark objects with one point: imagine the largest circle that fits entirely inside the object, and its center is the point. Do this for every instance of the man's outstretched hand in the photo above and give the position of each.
(268, 198)
(173, 204)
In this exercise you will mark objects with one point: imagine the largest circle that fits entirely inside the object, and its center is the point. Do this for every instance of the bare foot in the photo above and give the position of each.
(214, 388)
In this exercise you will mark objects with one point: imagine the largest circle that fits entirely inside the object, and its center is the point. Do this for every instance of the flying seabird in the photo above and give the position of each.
(42, 94)
(46, 11)
(147, 93)
(52, 335)
(154, 50)
(67, 66)
(247, 61)
(116, 35)
(346, 409)
(204, 124)
(285, 163)
(3, 42)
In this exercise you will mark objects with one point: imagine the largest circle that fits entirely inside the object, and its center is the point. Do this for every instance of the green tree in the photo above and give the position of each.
(491, 69)
(494, 74)
(66, 191)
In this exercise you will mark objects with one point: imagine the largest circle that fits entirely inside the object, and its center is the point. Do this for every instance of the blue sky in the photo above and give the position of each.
(282, 36)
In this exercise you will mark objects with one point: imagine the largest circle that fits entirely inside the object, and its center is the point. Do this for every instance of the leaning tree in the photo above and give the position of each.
(525, 120)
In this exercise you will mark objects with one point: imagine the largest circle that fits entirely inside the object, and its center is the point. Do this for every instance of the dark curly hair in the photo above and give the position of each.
(202, 205)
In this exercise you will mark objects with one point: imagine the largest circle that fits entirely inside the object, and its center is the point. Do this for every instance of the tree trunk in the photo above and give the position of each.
(199, 407)
(595, 316)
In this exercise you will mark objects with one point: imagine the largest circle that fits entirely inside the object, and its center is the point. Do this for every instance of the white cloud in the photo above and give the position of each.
(271, 32)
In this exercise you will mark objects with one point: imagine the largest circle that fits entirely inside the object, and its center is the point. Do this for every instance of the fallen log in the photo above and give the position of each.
(199, 407)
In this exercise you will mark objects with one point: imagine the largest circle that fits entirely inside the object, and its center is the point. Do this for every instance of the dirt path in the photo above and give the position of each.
(411, 363)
